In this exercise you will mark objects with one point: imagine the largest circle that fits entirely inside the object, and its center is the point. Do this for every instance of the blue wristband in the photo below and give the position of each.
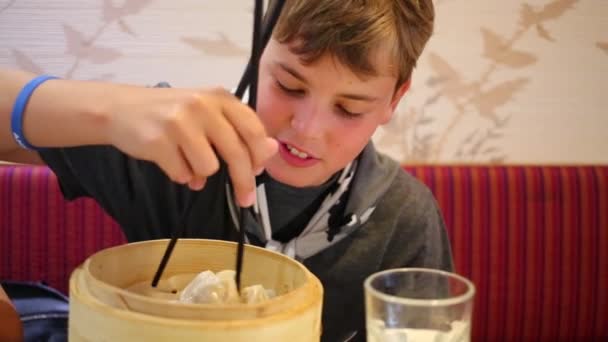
(19, 108)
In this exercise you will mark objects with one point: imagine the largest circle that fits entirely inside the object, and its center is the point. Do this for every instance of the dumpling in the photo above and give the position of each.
(206, 287)
(210, 288)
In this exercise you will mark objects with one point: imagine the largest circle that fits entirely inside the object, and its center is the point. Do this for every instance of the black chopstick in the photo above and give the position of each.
(176, 234)
(249, 78)
(254, 61)
(275, 8)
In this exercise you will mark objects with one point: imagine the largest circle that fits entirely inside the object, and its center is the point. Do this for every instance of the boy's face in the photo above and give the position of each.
(322, 114)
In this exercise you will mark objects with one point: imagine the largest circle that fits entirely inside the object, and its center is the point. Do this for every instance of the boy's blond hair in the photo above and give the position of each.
(353, 30)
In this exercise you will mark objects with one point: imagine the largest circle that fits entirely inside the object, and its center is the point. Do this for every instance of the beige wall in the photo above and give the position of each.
(501, 81)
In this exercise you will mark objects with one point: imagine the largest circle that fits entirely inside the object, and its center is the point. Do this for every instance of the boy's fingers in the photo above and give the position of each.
(197, 183)
(234, 152)
(174, 164)
(251, 130)
(198, 152)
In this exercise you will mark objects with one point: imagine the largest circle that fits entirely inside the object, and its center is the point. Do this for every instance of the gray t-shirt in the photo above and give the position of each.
(291, 208)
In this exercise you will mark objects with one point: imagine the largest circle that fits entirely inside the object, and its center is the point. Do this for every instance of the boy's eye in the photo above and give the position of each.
(348, 114)
(290, 91)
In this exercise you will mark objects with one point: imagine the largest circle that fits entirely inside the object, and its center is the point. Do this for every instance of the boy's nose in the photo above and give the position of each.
(308, 122)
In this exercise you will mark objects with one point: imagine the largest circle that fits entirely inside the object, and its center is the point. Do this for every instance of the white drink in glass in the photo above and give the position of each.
(460, 332)
(418, 305)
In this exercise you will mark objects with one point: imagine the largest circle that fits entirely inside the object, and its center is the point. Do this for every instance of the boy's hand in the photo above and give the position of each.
(185, 131)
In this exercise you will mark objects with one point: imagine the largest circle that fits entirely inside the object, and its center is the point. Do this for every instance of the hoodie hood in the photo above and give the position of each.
(375, 173)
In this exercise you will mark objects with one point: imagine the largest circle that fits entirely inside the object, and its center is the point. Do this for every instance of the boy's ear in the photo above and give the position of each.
(399, 93)
(396, 98)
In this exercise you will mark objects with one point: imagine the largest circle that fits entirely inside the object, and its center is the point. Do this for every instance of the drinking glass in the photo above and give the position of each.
(418, 304)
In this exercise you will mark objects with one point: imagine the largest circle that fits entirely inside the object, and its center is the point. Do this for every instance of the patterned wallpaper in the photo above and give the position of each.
(500, 81)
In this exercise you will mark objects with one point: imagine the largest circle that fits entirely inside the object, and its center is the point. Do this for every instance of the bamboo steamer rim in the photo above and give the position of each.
(161, 301)
(311, 290)
(128, 315)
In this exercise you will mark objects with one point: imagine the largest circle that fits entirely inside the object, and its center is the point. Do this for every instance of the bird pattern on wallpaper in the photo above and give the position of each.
(454, 114)
(603, 46)
(476, 95)
(83, 47)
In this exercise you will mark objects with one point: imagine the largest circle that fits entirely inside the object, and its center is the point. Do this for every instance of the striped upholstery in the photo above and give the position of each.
(534, 240)
(43, 237)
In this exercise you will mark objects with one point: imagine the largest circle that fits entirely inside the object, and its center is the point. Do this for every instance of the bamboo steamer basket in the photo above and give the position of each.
(103, 309)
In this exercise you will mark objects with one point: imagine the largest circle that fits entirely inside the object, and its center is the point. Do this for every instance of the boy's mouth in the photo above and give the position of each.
(298, 153)
(296, 156)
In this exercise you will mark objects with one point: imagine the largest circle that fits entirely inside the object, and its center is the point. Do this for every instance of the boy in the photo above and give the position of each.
(160, 158)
